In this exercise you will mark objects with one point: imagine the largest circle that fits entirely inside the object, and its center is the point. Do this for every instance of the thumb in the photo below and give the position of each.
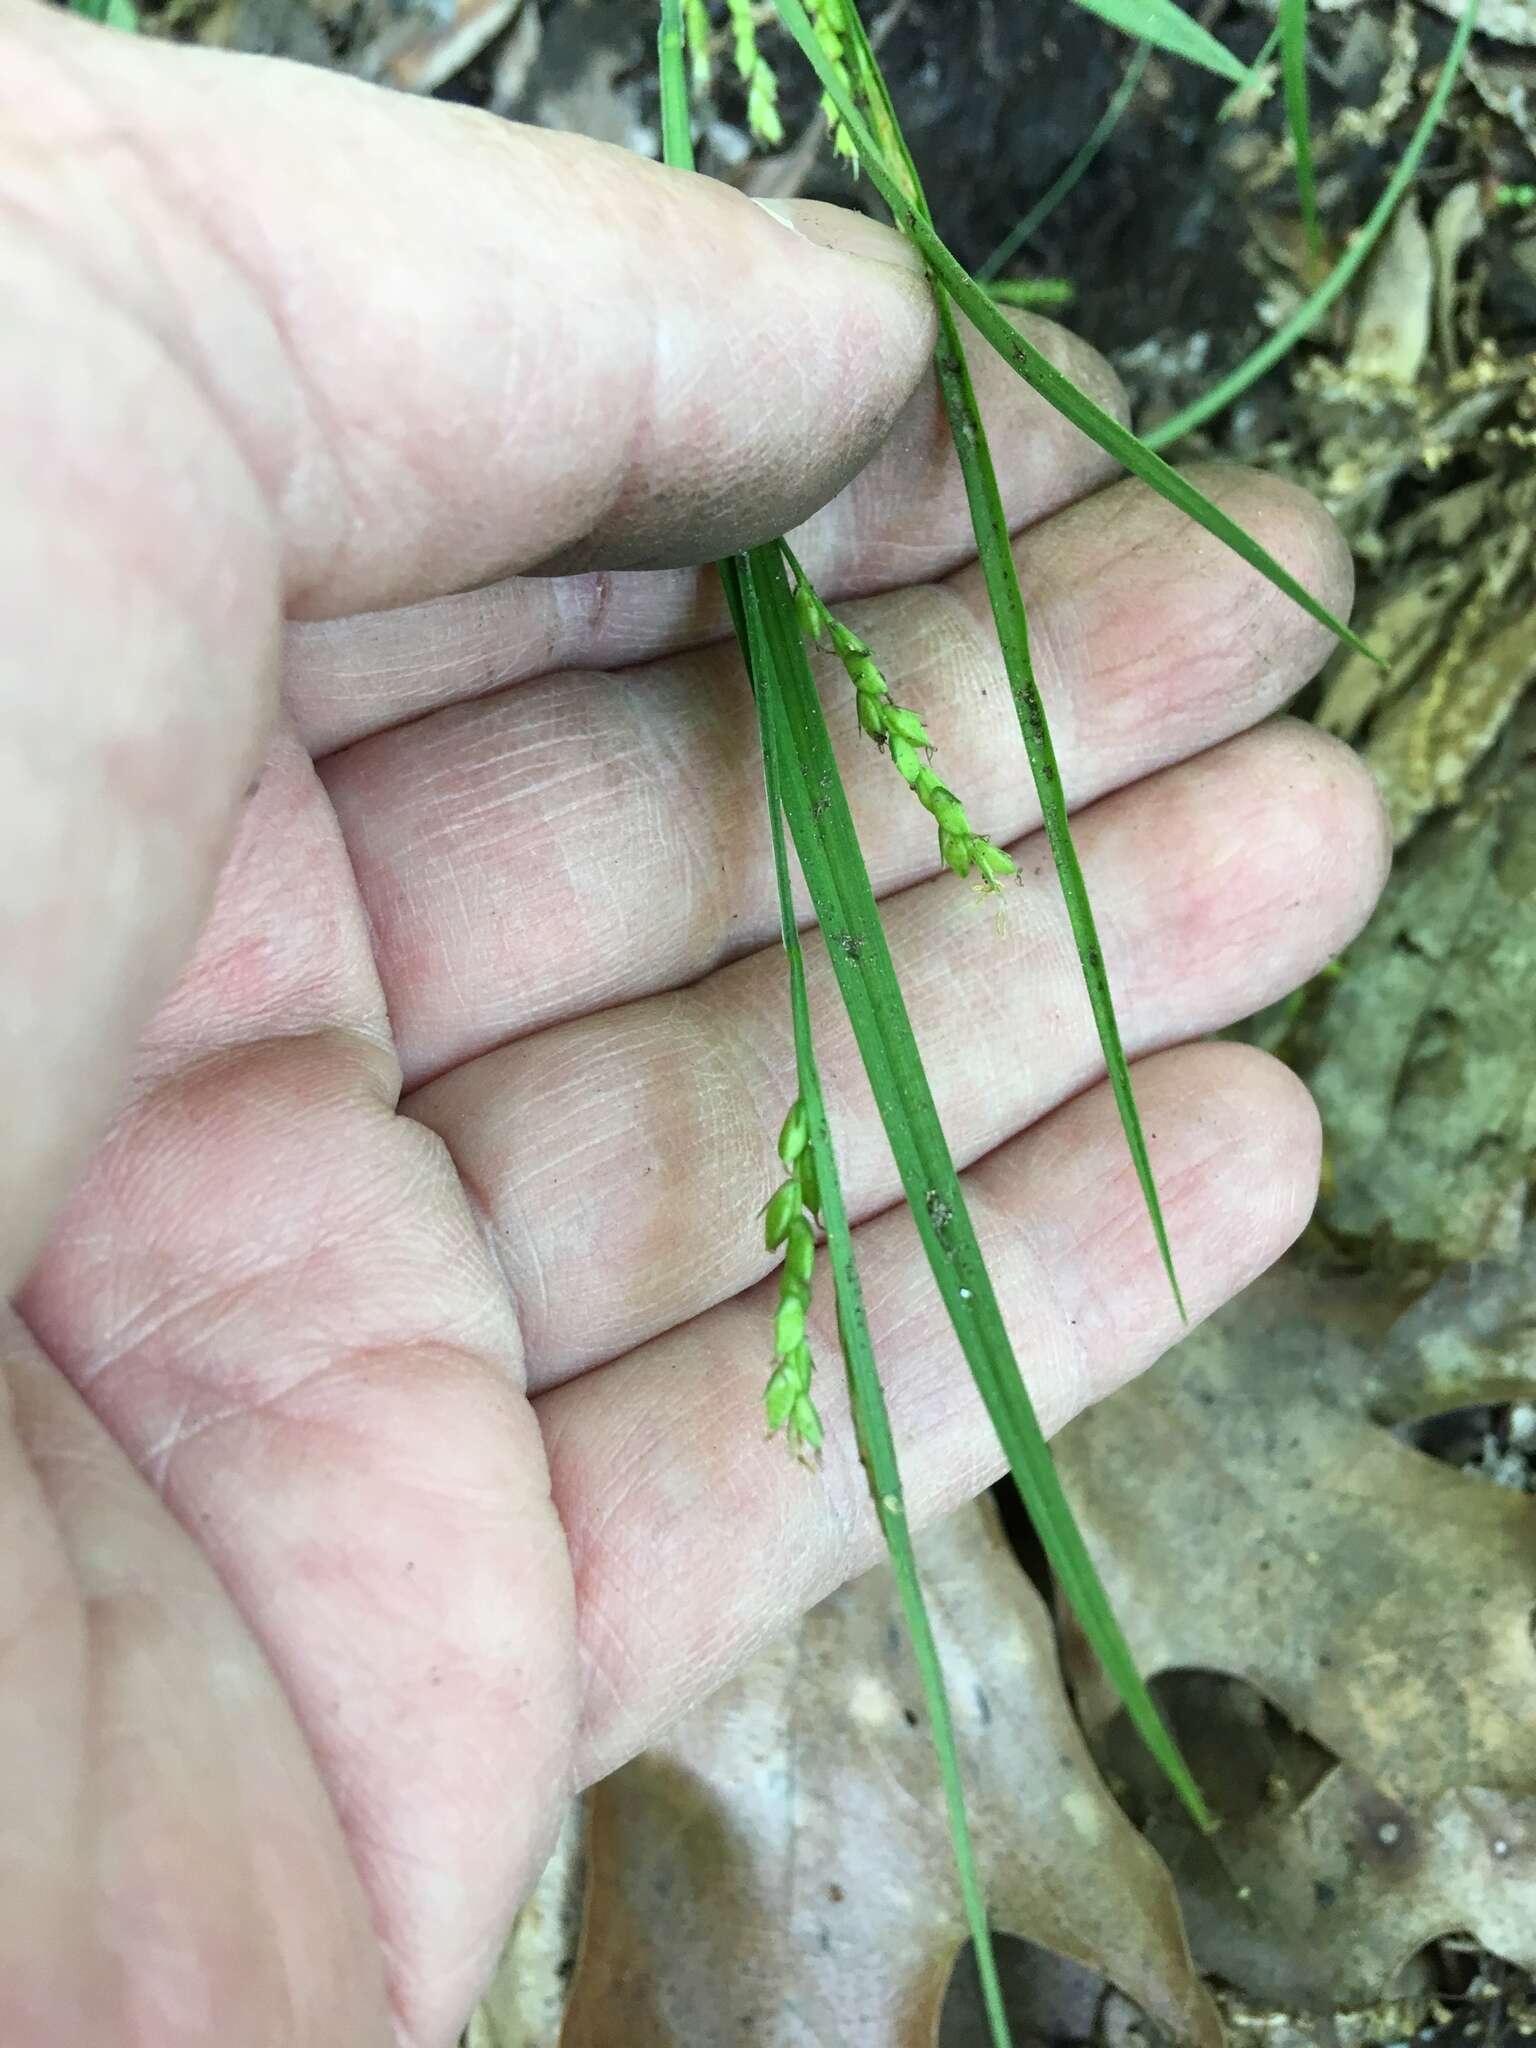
(454, 348)
(281, 340)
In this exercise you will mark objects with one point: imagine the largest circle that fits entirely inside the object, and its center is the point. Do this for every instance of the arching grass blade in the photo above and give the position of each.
(1171, 29)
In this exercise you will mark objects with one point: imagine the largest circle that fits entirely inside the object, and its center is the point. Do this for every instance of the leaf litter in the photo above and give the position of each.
(780, 1870)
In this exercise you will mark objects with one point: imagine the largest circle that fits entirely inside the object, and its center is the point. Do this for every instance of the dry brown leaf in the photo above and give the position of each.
(1502, 80)
(433, 44)
(1405, 629)
(1449, 611)
(1458, 221)
(1391, 334)
(1425, 745)
(1379, 1599)
(1322, 1905)
(1508, 21)
(780, 1871)
(515, 60)
(1423, 1061)
(267, 28)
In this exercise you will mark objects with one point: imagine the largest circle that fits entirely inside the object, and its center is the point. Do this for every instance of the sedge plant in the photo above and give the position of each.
(803, 784)
(812, 1184)
(851, 924)
(776, 612)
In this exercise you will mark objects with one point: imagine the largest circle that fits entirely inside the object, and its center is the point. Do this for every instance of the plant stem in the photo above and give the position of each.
(1054, 194)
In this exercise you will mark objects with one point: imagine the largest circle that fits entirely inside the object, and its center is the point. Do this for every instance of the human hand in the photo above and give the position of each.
(385, 1455)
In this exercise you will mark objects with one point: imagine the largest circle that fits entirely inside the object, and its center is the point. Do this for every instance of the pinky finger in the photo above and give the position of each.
(694, 1541)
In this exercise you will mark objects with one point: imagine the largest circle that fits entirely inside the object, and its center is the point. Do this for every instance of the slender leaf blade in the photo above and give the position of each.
(1171, 29)
(994, 546)
(1292, 25)
(828, 849)
(995, 551)
(1056, 192)
(871, 1417)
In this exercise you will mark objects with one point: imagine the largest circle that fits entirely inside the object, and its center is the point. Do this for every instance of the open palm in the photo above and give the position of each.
(384, 1457)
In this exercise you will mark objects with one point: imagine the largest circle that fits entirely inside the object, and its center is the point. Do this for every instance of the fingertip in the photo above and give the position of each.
(1312, 544)
(813, 324)
(1336, 847)
(1266, 1157)
(1276, 849)
(578, 359)
(1236, 1148)
(1302, 535)
(847, 232)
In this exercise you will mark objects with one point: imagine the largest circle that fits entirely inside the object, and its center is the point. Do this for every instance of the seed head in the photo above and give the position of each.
(908, 766)
(955, 850)
(906, 725)
(800, 1253)
(789, 1324)
(992, 860)
(810, 611)
(794, 1133)
(783, 1208)
(810, 1186)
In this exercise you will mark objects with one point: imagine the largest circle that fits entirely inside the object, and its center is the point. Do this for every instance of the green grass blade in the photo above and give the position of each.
(1116, 440)
(1036, 369)
(995, 553)
(1292, 25)
(1032, 292)
(1171, 29)
(1338, 279)
(672, 72)
(829, 854)
(872, 1422)
(1054, 194)
(994, 550)
(114, 13)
